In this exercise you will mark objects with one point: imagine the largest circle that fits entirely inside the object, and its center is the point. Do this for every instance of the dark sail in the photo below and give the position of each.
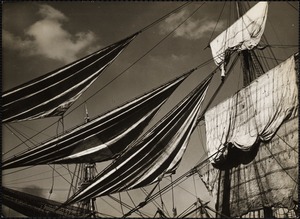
(52, 94)
(157, 152)
(103, 137)
(34, 206)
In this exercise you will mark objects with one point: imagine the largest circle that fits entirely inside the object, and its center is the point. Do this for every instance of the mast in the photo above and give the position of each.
(89, 173)
(252, 69)
(249, 74)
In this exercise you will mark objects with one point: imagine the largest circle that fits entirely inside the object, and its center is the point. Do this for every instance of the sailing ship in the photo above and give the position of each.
(251, 136)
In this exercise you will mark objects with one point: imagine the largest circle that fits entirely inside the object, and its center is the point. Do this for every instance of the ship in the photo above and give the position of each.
(133, 159)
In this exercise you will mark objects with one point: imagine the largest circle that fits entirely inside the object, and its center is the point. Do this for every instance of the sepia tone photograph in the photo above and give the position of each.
(150, 109)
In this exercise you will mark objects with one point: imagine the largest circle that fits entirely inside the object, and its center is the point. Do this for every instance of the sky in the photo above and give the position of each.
(38, 37)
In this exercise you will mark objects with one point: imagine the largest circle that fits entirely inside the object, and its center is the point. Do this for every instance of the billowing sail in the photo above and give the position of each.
(269, 180)
(245, 33)
(52, 94)
(255, 113)
(103, 137)
(253, 140)
(156, 153)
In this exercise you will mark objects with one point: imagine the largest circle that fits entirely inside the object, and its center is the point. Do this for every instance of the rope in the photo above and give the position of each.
(127, 206)
(147, 194)
(12, 129)
(191, 212)
(293, 148)
(72, 180)
(53, 169)
(165, 16)
(215, 26)
(52, 184)
(161, 200)
(173, 202)
(195, 185)
(110, 205)
(293, 6)
(217, 90)
(281, 165)
(121, 203)
(132, 201)
(186, 210)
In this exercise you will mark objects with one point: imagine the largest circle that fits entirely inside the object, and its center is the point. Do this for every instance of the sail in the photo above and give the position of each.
(103, 137)
(156, 153)
(34, 206)
(245, 33)
(255, 113)
(52, 94)
(252, 139)
(269, 180)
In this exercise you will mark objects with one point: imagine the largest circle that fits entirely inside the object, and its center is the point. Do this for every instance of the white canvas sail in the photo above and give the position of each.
(245, 33)
(255, 113)
(253, 135)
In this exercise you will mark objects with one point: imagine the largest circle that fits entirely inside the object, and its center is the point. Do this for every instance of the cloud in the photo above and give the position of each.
(192, 29)
(48, 12)
(47, 37)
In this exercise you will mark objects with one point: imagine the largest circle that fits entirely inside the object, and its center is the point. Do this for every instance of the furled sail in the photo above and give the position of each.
(156, 153)
(103, 137)
(245, 33)
(253, 140)
(34, 206)
(52, 94)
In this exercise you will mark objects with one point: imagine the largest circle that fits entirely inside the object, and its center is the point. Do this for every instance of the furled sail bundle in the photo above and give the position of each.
(253, 138)
(35, 206)
(244, 34)
(156, 153)
(52, 94)
(103, 137)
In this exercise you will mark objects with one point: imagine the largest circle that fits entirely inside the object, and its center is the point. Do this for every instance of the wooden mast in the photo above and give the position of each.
(89, 173)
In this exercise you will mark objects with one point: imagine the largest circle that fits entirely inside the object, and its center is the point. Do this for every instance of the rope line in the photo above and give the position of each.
(165, 16)
(293, 148)
(281, 165)
(52, 183)
(216, 25)
(147, 194)
(111, 205)
(293, 6)
(128, 206)
(121, 203)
